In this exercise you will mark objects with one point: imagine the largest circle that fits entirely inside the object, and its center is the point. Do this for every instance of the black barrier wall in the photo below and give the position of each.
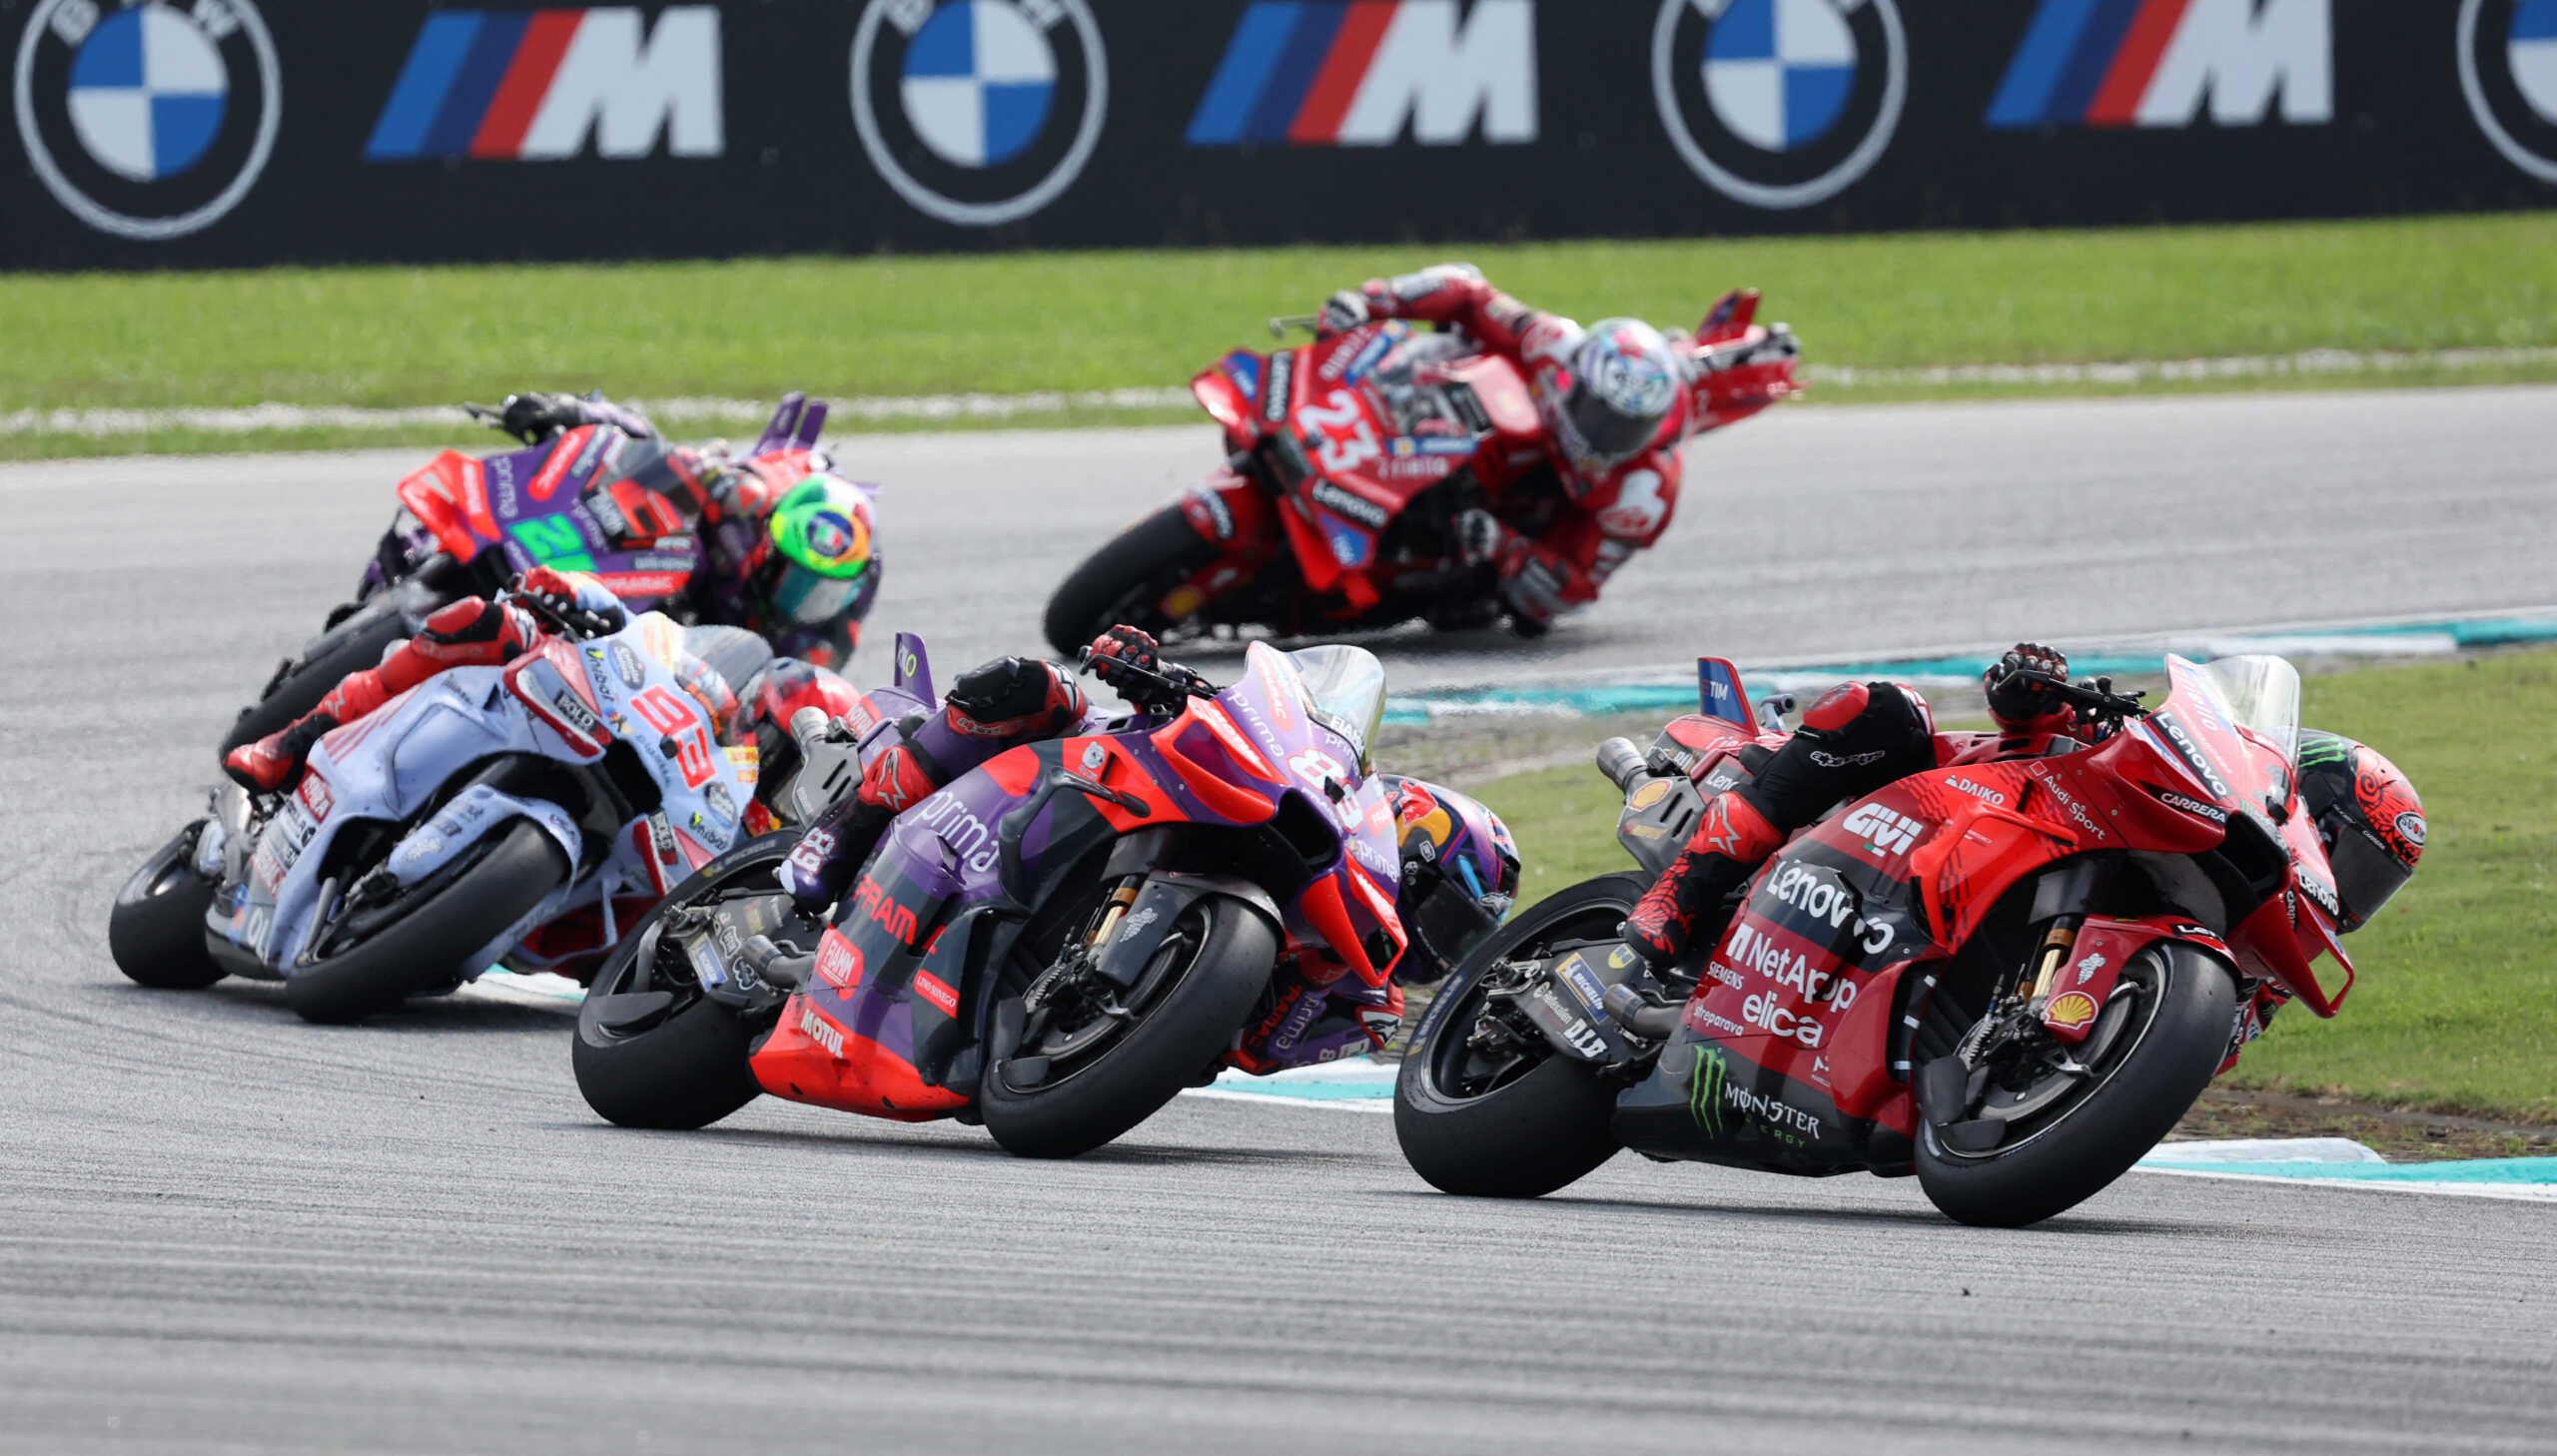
(206, 132)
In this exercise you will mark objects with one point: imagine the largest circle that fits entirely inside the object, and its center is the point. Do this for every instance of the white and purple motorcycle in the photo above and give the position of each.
(529, 813)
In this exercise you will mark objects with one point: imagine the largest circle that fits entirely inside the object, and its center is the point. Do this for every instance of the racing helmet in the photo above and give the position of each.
(1624, 388)
(769, 700)
(2368, 816)
(1459, 875)
(807, 568)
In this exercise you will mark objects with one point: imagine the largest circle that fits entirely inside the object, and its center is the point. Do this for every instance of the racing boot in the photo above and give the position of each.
(822, 862)
(274, 762)
(1731, 843)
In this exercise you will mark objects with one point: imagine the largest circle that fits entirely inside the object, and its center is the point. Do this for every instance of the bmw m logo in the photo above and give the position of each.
(2508, 71)
(150, 119)
(1779, 102)
(978, 112)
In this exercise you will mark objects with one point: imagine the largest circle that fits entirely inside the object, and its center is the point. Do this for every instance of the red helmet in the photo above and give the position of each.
(2367, 814)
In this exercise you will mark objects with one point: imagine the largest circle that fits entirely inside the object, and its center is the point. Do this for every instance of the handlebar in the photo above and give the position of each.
(2097, 699)
(1186, 684)
(1279, 324)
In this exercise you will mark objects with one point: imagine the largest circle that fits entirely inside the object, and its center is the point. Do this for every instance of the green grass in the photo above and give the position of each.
(1022, 322)
(2457, 1009)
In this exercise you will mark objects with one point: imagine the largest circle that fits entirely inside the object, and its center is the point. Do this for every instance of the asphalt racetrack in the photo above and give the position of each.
(221, 1230)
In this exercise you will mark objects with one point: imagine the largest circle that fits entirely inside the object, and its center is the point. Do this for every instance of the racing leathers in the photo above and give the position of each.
(1584, 518)
(728, 499)
(537, 608)
(1853, 741)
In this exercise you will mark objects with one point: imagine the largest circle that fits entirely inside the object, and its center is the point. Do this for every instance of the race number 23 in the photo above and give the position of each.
(1347, 440)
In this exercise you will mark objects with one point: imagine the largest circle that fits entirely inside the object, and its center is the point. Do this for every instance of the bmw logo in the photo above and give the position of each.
(2508, 70)
(978, 112)
(1779, 102)
(150, 119)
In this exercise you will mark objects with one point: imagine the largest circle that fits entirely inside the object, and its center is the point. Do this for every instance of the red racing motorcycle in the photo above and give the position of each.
(1349, 460)
(2008, 978)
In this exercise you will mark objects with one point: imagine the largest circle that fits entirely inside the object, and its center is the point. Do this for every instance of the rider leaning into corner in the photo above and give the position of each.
(1861, 736)
(1615, 403)
(1461, 868)
(789, 549)
(537, 608)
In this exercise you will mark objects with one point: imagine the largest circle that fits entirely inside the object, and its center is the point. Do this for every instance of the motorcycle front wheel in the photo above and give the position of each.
(1125, 582)
(426, 938)
(1503, 1118)
(2064, 1134)
(1096, 1068)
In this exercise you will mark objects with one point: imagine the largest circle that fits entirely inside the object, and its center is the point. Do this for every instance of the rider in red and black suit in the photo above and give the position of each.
(1856, 738)
(1614, 400)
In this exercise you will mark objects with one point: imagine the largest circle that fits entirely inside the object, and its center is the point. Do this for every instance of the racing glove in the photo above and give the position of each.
(536, 418)
(1130, 662)
(1479, 536)
(1343, 312)
(574, 600)
(2019, 703)
(1531, 589)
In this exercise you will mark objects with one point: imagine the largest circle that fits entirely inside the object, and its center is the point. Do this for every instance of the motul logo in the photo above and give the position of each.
(2159, 63)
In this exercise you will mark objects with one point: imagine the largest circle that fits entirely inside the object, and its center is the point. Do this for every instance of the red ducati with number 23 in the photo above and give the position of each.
(1349, 460)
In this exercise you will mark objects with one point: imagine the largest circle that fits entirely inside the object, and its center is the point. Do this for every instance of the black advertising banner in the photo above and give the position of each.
(226, 132)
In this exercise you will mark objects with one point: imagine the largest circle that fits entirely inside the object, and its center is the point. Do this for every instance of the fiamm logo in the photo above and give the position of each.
(2154, 63)
(148, 119)
(534, 86)
(1332, 75)
(1779, 102)
(2508, 71)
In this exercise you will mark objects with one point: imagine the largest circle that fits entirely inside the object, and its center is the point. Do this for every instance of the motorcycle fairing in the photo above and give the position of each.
(539, 507)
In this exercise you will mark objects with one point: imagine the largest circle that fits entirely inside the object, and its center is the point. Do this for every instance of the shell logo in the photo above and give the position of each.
(2070, 1011)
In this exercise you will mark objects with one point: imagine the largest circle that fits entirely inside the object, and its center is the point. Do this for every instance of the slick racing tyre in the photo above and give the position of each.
(1092, 1072)
(652, 1051)
(1514, 1120)
(424, 940)
(156, 931)
(350, 647)
(2147, 1059)
(1125, 582)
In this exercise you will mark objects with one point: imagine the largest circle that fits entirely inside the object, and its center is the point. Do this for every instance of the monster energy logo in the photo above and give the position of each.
(1705, 1090)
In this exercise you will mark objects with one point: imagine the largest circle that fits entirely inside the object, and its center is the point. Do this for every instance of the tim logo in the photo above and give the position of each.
(1306, 74)
(2158, 63)
(541, 85)
(148, 119)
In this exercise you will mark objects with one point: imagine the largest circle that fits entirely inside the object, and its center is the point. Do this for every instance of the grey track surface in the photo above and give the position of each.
(221, 1230)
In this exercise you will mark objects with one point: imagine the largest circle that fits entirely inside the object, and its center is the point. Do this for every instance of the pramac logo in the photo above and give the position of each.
(149, 119)
(1779, 102)
(978, 112)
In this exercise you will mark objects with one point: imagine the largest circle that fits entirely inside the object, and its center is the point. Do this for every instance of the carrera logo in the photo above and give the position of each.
(1348, 503)
(542, 85)
(2156, 63)
(1886, 833)
(2185, 804)
(1368, 74)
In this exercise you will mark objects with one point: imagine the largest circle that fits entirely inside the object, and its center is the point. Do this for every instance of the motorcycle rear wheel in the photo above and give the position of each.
(1191, 1008)
(156, 931)
(1510, 1132)
(430, 941)
(350, 648)
(2143, 1084)
(1126, 580)
(687, 1067)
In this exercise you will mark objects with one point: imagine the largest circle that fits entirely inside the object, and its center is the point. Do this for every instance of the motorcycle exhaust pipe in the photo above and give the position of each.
(1651, 1021)
(1621, 762)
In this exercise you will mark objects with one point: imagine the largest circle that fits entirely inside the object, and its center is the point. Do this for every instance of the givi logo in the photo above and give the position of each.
(1329, 75)
(2158, 63)
(540, 86)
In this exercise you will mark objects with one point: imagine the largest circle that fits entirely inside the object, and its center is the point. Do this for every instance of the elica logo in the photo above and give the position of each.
(147, 120)
(1779, 102)
(2158, 63)
(978, 112)
(1370, 75)
(540, 86)
(2508, 72)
